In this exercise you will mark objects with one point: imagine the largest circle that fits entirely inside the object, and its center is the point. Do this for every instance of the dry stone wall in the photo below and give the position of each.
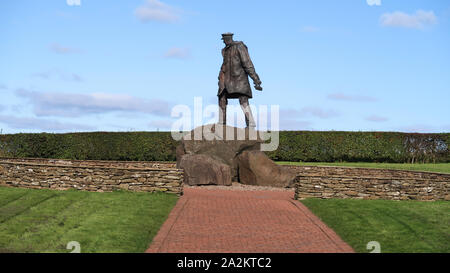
(95, 163)
(91, 175)
(310, 181)
(369, 183)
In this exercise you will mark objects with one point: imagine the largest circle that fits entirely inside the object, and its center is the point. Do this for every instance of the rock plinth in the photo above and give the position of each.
(222, 143)
(202, 169)
(256, 168)
(226, 145)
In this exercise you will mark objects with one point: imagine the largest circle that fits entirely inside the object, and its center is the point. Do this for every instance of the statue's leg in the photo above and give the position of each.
(223, 101)
(249, 121)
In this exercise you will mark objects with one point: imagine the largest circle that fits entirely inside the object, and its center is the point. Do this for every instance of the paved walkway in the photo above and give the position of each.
(211, 220)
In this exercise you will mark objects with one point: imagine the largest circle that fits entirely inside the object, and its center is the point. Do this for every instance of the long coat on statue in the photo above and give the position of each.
(235, 70)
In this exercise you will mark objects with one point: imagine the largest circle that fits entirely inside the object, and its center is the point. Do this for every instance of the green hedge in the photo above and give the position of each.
(309, 146)
(130, 146)
(314, 146)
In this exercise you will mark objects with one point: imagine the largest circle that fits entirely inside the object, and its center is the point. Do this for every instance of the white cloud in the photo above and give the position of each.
(400, 19)
(73, 2)
(73, 77)
(309, 111)
(345, 97)
(373, 2)
(42, 75)
(309, 29)
(290, 119)
(319, 112)
(376, 118)
(292, 124)
(41, 124)
(154, 10)
(177, 53)
(73, 105)
(57, 48)
(17, 108)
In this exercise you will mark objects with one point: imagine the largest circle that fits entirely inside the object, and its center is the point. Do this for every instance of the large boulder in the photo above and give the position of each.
(205, 151)
(222, 143)
(255, 168)
(200, 169)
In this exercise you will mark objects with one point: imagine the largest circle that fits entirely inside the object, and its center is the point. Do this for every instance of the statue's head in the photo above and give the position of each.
(227, 38)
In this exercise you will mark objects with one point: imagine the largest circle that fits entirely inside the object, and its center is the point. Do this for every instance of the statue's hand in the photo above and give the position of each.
(258, 87)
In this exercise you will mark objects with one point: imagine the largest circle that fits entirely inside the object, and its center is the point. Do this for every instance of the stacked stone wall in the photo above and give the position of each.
(369, 183)
(91, 175)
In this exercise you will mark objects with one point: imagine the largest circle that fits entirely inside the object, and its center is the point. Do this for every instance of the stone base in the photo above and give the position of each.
(256, 168)
(225, 144)
(201, 169)
(222, 143)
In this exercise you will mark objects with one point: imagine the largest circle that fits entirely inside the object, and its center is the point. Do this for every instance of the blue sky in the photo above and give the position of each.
(357, 65)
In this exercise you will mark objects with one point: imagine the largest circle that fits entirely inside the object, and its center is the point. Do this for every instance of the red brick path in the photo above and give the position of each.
(206, 220)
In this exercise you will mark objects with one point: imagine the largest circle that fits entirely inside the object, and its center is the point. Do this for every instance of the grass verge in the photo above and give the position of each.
(427, 167)
(399, 226)
(46, 220)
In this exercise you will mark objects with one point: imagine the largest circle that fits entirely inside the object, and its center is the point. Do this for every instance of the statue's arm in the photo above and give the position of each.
(247, 64)
(221, 77)
(221, 73)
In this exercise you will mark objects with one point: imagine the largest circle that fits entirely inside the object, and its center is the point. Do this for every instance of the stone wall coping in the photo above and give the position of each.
(82, 160)
(88, 167)
(363, 168)
(366, 177)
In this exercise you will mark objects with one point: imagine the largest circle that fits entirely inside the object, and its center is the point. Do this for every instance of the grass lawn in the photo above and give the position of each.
(428, 167)
(399, 226)
(46, 220)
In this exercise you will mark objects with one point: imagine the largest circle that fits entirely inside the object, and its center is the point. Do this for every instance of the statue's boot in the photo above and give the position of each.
(249, 121)
(222, 115)
(223, 110)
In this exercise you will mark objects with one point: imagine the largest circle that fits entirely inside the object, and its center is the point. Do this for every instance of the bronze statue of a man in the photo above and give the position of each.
(233, 78)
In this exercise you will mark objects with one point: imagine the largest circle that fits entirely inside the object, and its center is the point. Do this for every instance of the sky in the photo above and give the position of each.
(354, 65)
